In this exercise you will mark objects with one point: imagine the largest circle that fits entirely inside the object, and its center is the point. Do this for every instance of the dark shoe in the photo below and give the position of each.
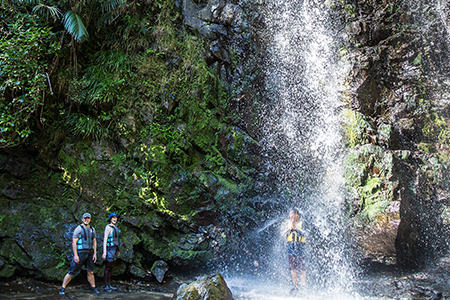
(107, 289)
(111, 287)
(294, 290)
(95, 291)
(62, 291)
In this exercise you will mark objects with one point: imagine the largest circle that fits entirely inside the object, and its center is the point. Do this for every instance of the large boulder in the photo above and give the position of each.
(212, 287)
(159, 270)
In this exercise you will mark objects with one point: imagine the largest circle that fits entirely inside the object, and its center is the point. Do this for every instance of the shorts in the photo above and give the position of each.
(112, 253)
(296, 263)
(85, 259)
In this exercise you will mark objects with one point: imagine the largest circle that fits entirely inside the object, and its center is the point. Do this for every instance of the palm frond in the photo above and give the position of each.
(25, 2)
(110, 5)
(74, 25)
(47, 10)
(111, 10)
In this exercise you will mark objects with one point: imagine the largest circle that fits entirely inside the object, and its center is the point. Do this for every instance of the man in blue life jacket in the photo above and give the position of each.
(110, 248)
(84, 246)
(296, 240)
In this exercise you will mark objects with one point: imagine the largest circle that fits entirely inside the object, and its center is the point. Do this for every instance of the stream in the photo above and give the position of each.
(377, 282)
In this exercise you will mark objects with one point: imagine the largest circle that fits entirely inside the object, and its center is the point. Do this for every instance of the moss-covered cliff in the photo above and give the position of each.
(131, 116)
(152, 110)
(396, 128)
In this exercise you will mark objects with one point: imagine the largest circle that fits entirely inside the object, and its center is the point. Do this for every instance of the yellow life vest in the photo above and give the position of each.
(295, 235)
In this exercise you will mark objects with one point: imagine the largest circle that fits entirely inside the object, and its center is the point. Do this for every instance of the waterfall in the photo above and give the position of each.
(302, 129)
(302, 141)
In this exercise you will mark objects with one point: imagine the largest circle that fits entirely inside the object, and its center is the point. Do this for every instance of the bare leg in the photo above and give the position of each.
(303, 278)
(108, 271)
(91, 278)
(66, 280)
(294, 276)
(106, 276)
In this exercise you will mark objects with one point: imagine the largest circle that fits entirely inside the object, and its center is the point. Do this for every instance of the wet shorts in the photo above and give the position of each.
(296, 262)
(112, 253)
(85, 259)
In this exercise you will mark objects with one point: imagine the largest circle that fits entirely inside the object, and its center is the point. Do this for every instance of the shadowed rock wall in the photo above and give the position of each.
(395, 123)
(396, 126)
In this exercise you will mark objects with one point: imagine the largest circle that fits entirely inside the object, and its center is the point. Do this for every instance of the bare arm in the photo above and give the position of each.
(76, 259)
(95, 250)
(105, 241)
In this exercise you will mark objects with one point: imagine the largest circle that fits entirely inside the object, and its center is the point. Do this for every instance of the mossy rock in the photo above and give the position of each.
(212, 287)
(355, 127)
(370, 172)
(7, 271)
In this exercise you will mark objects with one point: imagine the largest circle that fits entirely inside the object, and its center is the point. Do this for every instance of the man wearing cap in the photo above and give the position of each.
(110, 249)
(84, 246)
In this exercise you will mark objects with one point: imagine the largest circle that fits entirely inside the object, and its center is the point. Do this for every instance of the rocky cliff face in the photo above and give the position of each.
(176, 190)
(395, 124)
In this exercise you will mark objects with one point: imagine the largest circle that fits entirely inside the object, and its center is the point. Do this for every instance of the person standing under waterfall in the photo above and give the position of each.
(84, 246)
(296, 243)
(110, 248)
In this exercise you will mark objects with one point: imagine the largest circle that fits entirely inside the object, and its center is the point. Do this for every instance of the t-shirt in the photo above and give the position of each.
(78, 231)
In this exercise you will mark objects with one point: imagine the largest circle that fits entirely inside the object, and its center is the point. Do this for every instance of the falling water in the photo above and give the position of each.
(302, 142)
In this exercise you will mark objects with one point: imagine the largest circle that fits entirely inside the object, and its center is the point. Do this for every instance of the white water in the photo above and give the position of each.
(302, 137)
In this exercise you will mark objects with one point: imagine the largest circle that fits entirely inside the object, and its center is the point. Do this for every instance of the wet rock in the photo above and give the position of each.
(159, 270)
(7, 271)
(371, 170)
(190, 11)
(368, 94)
(168, 101)
(212, 31)
(17, 165)
(212, 287)
(138, 272)
(230, 13)
(219, 52)
(148, 113)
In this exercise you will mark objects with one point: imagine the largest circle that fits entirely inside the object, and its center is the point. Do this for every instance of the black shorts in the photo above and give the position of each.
(296, 263)
(85, 259)
(112, 253)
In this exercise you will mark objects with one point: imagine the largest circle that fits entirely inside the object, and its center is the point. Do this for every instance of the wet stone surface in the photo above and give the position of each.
(377, 282)
(432, 282)
(25, 288)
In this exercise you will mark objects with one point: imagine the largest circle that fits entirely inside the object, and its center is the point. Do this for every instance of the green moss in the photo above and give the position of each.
(436, 129)
(354, 127)
(373, 200)
(418, 60)
(355, 170)
(425, 147)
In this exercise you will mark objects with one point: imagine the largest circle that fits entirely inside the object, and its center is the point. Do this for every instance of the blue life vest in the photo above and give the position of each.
(113, 238)
(86, 238)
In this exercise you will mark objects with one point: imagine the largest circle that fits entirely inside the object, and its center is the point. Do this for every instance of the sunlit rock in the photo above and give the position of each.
(212, 287)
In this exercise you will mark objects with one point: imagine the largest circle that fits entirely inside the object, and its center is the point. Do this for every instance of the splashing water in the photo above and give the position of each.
(301, 136)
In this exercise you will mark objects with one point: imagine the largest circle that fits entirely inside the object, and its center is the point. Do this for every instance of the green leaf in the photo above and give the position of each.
(47, 10)
(74, 25)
